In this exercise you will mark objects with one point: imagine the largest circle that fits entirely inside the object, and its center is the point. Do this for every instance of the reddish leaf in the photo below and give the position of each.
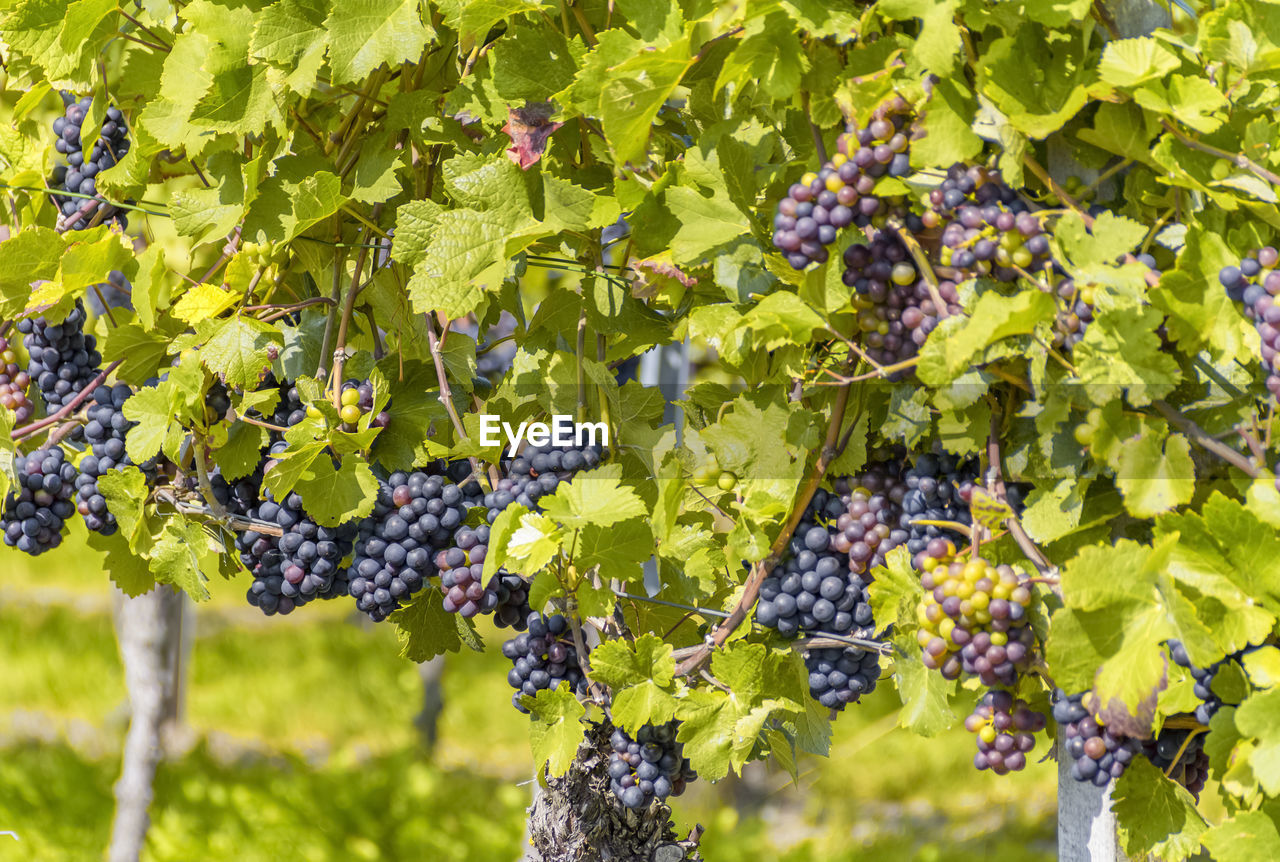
(529, 128)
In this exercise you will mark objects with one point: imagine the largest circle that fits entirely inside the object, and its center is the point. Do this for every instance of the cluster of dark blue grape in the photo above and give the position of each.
(840, 675)
(537, 471)
(302, 564)
(989, 229)
(842, 192)
(937, 490)
(1097, 755)
(814, 588)
(820, 588)
(650, 766)
(1256, 284)
(415, 516)
(63, 359)
(1180, 754)
(1005, 729)
(80, 175)
(38, 505)
(105, 433)
(543, 657)
(13, 385)
(871, 524)
(1202, 678)
(895, 307)
(466, 593)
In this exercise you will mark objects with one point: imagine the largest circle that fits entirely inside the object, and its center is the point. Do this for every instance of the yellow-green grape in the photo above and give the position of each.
(727, 481)
(1084, 433)
(349, 397)
(350, 414)
(707, 472)
(973, 618)
(313, 412)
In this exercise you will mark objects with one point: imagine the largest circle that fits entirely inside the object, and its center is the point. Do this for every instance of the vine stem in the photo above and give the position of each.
(818, 145)
(1025, 543)
(1240, 160)
(235, 522)
(819, 641)
(67, 410)
(760, 570)
(1207, 441)
(446, 394)
(348, 310)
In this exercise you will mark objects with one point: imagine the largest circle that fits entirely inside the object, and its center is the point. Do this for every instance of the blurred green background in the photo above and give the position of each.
(301, 745)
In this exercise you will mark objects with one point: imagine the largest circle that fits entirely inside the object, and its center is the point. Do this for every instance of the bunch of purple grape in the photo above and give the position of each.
(80, 175)
(895, 305)
(1005, 729)
(38, 505)
(543, 657)
(988, 229)
(105, 433)
(843, 191)
(650, 766)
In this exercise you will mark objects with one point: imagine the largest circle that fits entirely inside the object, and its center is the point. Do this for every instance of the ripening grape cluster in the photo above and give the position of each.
(13, 385)
(79, 175)
(650, 766)
(543, 657)
(1256, 284)
(63, 359)
(938, 488)
(989, 229)
(871, 524)
(1097, 755)
(355, 400)
(895, 304)
(1005, 729)
(843, 191)
(37, 507)
(973, 619)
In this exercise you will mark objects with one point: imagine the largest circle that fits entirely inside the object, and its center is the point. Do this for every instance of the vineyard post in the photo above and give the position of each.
(1087, 827)
(146, 633)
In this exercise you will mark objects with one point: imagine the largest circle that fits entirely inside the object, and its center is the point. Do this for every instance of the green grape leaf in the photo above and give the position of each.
(1156, 814)
(1248, 836)
(597, 498)
(334, 496)
(424, 627)
(1155, 476)
(1129, 62)
(556, 730)
(364, 34)
(235, 349)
